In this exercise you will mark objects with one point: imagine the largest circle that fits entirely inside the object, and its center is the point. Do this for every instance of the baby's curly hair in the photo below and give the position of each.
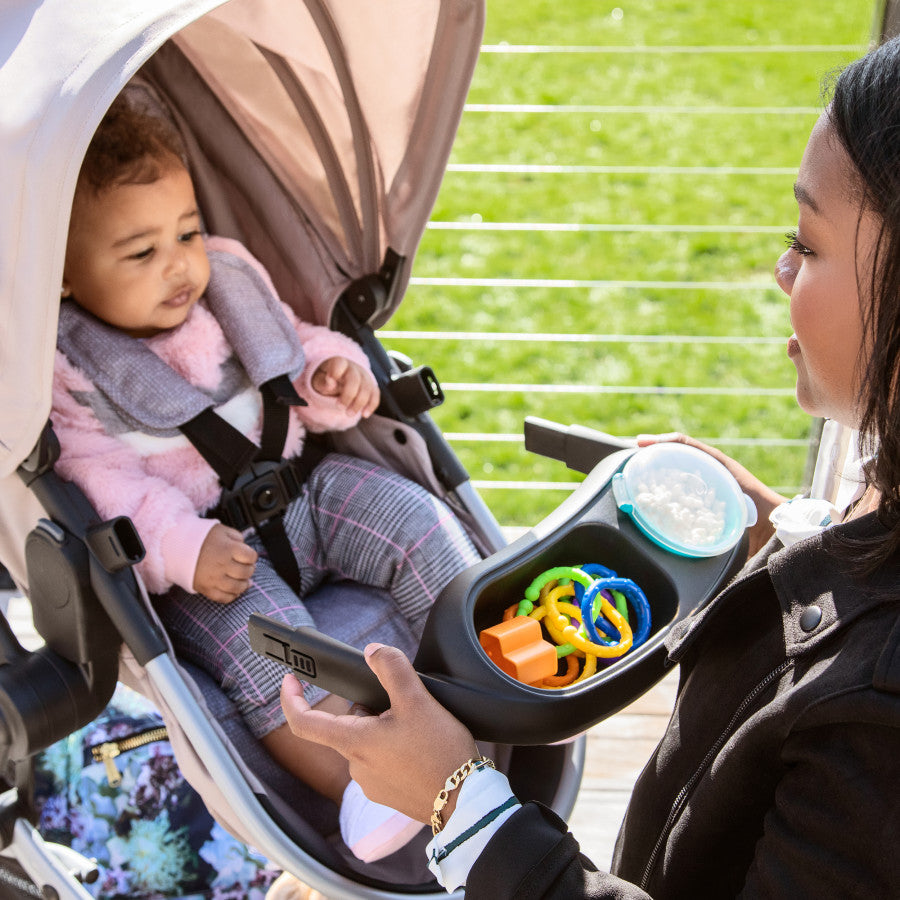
(131, 146)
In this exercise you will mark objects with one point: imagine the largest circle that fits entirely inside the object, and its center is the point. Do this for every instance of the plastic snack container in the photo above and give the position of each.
(683, 500)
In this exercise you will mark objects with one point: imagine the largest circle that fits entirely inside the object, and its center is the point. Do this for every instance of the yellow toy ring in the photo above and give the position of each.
(569, 633)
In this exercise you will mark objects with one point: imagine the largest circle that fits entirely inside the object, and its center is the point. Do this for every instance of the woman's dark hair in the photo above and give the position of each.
(131, 146)
(864, 113)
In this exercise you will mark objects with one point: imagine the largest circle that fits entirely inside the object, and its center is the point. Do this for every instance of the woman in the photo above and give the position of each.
(778, 773)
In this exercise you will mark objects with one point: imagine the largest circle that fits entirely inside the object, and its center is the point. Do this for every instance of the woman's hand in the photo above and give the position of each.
(762, 496)
(400, 758)
(350, 383)
(225, 565)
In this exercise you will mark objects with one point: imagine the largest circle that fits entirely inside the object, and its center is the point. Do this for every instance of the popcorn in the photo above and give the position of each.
(680, 505)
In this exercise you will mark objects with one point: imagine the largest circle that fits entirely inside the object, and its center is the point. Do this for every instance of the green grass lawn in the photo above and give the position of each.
(662, 159)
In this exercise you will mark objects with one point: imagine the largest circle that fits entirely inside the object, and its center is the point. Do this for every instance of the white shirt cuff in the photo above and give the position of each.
(485, 802)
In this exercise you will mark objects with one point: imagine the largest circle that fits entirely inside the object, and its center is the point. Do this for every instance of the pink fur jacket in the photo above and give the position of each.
(162, 483)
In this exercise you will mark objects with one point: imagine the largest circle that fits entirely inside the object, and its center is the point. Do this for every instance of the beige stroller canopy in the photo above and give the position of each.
(318, 131)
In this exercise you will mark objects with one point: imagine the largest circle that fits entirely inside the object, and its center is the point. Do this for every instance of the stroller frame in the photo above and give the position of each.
(338, 238)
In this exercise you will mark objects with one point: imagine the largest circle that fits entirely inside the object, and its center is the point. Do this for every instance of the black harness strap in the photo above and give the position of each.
(278, 397)
(281, 555)
(258, 483)
(228, 451)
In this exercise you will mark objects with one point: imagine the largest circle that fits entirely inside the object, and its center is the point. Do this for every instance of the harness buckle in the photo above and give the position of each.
(262, 493)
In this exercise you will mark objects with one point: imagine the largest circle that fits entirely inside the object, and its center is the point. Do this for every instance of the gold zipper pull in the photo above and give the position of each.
(109, 750)
(105, 753)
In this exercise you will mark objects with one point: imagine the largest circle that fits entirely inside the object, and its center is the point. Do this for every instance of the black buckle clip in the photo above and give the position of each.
(416, 390)
(259, 495)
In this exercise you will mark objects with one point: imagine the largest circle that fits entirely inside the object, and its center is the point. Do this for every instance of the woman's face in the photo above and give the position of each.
(822, 270)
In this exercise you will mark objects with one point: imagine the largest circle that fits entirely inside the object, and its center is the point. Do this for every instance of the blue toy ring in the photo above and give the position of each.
(595, 570)
(632, 592)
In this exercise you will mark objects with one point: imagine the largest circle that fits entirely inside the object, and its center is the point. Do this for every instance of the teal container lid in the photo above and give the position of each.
(683, 500)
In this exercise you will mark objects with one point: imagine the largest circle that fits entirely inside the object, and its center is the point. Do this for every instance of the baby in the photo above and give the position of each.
(160, 324)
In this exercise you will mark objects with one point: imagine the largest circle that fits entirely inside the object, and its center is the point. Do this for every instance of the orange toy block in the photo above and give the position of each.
(519, 649)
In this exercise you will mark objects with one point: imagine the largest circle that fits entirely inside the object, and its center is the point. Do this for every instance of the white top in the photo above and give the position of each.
(837, 482)
(485, 802)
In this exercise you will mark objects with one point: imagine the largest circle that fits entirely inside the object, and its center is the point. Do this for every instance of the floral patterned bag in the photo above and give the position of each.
(113, 792)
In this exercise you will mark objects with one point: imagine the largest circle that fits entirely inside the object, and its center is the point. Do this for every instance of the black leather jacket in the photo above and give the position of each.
(779, 773)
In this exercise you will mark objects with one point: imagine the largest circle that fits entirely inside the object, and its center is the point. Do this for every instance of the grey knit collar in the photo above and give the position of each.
(149, 394)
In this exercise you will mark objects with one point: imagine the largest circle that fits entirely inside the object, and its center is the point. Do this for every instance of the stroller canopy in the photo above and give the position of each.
(318, 132)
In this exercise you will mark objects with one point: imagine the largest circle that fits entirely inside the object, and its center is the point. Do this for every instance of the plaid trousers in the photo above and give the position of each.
(355, 521)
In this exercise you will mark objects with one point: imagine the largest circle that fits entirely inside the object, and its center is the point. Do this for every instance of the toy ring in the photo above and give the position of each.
(533, 591)
(564, 647)
(584, 612)
(594, 621)
(563, 680)
(556, 622)
(597, 571)
(630, 590)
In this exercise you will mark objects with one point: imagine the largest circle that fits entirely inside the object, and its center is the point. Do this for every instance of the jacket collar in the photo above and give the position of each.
(818, 591)
(811, 579)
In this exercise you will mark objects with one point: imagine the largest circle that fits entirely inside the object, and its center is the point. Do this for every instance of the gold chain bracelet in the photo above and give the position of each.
(451, 784)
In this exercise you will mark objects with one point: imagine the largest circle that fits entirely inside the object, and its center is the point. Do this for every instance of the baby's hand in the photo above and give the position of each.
(225, 565)
(350, 383)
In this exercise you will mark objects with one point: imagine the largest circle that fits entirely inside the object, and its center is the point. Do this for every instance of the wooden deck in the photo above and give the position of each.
(617, 750)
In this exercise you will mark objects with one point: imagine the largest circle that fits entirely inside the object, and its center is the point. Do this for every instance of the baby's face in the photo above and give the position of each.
(135, 257)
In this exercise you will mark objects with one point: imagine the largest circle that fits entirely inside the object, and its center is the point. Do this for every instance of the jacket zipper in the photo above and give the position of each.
(685, 792)
(109, 750)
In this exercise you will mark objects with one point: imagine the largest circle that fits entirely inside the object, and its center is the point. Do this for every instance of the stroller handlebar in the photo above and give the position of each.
(578, 447)
(314, 656)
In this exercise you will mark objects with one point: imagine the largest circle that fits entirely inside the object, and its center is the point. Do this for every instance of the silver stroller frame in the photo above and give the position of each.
(76, 569)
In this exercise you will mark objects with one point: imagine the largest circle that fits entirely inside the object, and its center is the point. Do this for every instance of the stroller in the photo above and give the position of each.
(317, 134)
